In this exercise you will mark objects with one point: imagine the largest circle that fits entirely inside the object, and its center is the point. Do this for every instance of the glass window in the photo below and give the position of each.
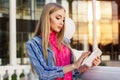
(107, 26)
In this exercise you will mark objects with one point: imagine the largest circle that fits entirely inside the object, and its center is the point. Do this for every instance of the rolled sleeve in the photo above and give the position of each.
(76, 74)
(60, 71)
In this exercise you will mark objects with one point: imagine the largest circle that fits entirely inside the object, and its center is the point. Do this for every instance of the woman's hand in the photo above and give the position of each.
(78, 63)
(96, 61)
(83, 68)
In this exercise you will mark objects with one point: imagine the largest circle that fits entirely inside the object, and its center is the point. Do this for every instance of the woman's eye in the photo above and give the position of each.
(57, 18)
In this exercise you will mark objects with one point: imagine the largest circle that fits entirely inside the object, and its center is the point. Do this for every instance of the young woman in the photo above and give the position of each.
(49, 52)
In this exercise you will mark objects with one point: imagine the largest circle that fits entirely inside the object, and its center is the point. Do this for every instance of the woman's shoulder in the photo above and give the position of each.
(35, 39)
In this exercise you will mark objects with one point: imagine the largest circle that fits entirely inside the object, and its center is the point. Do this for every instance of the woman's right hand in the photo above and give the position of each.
(78, 63)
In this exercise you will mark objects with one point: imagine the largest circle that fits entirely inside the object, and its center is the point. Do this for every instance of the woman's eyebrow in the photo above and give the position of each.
(60, 16)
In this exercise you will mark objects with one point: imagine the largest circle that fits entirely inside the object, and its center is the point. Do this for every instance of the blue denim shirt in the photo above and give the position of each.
(45, 71)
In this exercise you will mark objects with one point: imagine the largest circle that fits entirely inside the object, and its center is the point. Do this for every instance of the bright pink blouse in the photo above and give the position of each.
(62, 55)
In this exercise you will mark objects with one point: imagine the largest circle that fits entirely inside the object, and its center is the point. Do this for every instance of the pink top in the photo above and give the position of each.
(62, 55)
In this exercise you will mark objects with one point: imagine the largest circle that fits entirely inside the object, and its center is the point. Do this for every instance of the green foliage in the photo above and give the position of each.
(22, 76)
(6, 76)
(14, 76)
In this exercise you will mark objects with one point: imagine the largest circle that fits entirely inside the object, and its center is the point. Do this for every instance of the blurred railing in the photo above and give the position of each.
(17, 72)
(23, 72)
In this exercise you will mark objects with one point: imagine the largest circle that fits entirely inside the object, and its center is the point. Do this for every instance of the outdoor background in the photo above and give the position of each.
(28, 13)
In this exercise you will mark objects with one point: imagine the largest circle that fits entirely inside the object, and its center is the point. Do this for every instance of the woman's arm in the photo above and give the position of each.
(36, 58)
(77, 64)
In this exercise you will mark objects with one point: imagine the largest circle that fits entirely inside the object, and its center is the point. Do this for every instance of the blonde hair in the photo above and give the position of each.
(43, 26)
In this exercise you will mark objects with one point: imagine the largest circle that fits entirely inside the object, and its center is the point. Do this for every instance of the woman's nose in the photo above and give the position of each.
(62, 22)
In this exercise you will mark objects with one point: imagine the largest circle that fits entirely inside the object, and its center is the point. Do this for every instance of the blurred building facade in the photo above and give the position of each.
(28, 12)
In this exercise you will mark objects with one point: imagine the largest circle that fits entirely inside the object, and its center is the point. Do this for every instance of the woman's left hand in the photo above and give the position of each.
(96, 61)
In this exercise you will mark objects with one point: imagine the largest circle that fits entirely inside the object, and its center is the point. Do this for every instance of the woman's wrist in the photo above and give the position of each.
(74, 66)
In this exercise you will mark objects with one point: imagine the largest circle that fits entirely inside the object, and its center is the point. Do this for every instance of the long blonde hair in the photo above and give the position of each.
(43, 26)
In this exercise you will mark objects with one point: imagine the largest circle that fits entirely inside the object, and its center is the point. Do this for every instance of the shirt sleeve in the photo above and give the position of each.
(76, 73)
(37, 61)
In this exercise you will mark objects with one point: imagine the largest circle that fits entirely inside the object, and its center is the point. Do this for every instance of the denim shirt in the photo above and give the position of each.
(45, 71)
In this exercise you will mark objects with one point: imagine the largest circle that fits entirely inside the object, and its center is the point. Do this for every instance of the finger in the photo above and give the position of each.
(87, 54)
(98, 57)
(96, 62)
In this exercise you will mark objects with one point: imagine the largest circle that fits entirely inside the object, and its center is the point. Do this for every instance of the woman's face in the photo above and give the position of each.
(57, 20)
